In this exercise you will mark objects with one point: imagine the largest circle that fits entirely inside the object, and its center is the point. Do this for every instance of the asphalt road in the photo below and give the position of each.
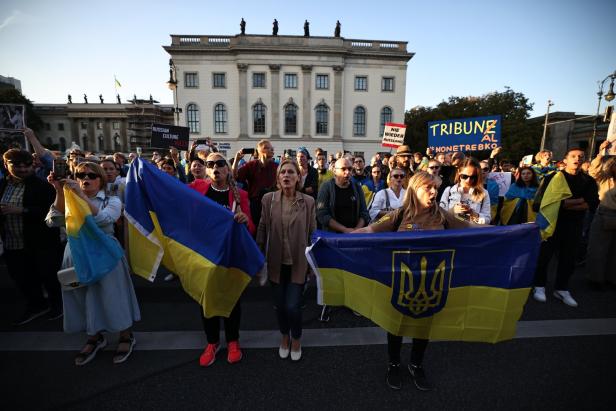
(576, 371)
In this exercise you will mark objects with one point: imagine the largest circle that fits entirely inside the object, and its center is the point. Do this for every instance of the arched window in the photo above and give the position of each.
(258, 118)
(220, 118)
(359, 121)
(386, 117)
(62, 144)
(192, 118)
(322, 118)
(290, 119)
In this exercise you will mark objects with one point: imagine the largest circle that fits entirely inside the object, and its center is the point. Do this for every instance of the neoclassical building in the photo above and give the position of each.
(327, 92)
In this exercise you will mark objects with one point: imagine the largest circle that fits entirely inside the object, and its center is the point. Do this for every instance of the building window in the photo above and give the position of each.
(290, 119)
(84, 125)
(62, 144)
(322, 81)
(192, 118)
(361, 83)
(99, 125)
(387, 84)
(322, 117)
(191, 80)
(359, 121)
(218, 80)
(60, 126)
(290, 80)
(116, 125)
(386, 117)
(258, 118)
(258, 80)
(47, 126)
(220, 118)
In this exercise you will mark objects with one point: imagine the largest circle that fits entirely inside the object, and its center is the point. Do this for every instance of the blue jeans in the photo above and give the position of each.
(287, 302)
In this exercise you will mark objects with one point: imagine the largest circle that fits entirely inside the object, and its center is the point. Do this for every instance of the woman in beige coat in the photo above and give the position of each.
(287, 222)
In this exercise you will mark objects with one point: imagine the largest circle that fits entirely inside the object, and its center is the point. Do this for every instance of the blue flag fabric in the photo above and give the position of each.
(193, 237)
(468, 285)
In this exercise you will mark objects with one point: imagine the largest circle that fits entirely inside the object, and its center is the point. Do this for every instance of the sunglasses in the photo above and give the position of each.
(434, 167)
(20, 164)
(485, 170)
(398, 176)
(218, 163)
(466, 176)
(82, 176)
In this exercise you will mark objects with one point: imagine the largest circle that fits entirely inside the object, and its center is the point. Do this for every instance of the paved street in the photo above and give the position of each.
(562, 358)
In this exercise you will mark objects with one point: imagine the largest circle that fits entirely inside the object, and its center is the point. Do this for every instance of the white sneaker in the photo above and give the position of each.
(283, 352)
(296, 355)
(565, 297)
(539, 294)
(169, 277)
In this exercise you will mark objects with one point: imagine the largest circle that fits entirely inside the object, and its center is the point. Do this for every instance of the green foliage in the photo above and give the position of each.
(518, 137)
(14, 96)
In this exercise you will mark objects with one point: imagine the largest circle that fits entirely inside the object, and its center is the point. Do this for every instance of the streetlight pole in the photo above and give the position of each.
(172, 84)
(608, 97)
(545, 125)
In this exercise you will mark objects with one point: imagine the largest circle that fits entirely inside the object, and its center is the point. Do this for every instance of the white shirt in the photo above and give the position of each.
(455, 195)
(380, 201)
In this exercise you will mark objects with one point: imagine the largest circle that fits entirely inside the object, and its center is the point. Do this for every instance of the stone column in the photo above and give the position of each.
(243, 68)
(306, 101)
(275, 100)
(338, 102)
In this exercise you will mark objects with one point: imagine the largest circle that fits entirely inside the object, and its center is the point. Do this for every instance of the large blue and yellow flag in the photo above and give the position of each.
(94, 253)
(556, 191)
(464, 285)
(191, 235)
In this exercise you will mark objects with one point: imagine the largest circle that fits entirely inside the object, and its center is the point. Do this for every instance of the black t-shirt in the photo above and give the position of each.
(345, 206)
(221, 197)
(581, 186)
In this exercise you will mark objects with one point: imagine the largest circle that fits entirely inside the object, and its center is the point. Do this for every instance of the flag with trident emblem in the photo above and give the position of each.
(461, 285)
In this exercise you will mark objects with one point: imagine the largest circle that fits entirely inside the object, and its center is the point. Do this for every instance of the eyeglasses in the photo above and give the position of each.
(466, 176)
(217, 163)
(398, 176)
(82, 176)
(485, 170)
(434, 167)
(20, 164)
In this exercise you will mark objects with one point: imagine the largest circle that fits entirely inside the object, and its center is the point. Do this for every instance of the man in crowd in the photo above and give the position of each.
(404, 160)
(258, 176)
(543, 165)
(325, 173)
(121, 161)
(340, 204)
(359, 171)
(32, 251)
(568, 225)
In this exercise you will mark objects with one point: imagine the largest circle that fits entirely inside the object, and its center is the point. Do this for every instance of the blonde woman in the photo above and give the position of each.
(388, 199)
(287, 222)
(467, 198)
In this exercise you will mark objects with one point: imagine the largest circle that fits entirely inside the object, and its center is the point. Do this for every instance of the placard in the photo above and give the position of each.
(165, 136)
(611, 135)
(503, 180)
(393, 135)
(12, 117)
(466, 134)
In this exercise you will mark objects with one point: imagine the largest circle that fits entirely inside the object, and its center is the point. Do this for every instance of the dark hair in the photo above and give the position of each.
(198, 160)
(116, 165)
(16, 155)
(520, 183)
(168, 162)
(573, 149)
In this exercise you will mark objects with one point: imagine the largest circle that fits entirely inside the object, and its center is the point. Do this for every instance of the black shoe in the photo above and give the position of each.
(419, 378)
(31, 314)
(394, 380)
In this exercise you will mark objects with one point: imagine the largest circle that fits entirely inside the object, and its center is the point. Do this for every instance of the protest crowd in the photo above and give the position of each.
(282, 202)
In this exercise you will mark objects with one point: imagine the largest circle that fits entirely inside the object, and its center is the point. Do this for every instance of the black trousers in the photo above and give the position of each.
(211, 326)
(32, 269)
(564, 243)
(394, 346)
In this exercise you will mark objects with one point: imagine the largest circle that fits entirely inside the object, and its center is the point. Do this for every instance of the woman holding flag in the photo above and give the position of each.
(420, 211)
(517, 207)
(105, 299)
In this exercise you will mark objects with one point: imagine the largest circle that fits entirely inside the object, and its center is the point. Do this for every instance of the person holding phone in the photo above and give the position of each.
(258, 176)
(467, 198)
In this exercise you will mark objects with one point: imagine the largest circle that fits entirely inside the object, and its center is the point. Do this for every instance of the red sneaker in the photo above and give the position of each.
(209, 355)
(234, 354)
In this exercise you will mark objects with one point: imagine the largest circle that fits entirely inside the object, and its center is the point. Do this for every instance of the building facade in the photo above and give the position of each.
(326, 92)
(101, 128)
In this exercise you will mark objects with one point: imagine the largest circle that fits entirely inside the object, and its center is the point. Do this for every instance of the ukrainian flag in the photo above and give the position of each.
(516, 198)
(191, 235)
(556, 191)
(94, 253)
(462, 285)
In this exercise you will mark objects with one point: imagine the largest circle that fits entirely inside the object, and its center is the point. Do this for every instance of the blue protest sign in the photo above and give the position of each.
(466, 134)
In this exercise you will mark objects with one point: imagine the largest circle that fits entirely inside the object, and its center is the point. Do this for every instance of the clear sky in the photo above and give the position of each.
(547, 49)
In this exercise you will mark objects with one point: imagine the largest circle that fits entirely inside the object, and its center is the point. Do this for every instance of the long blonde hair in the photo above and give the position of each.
(230, 179)
(478, 191)
(411, 204)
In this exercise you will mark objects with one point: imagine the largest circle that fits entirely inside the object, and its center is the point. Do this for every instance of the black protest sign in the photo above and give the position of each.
(165, 136)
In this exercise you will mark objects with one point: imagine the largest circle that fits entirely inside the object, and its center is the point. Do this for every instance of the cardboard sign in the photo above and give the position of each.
(165, 136)
(467, 134)
(503, 180)
(12, 117)
(393, 135)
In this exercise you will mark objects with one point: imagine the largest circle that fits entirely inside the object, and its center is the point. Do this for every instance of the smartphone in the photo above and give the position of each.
(60, 169)
(250, 151)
